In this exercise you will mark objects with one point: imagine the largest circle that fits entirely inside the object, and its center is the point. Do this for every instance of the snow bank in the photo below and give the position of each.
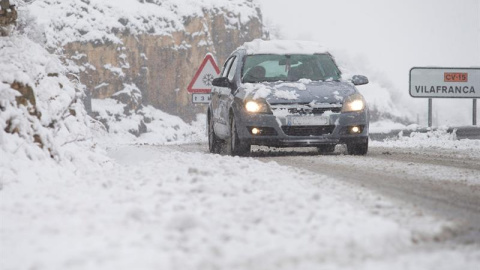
(146, 126)
(385, 126)
(438, 139)
(164, 129)
(43, 124)
(100, 21)
(128, 121)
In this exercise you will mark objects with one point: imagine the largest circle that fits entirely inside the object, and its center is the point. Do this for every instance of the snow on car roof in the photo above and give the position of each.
(259, 46)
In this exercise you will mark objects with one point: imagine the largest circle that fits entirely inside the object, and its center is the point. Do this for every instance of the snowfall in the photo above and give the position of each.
(85, 198)
(99, 200)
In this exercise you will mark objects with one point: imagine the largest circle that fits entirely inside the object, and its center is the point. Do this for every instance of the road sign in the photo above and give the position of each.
(433, 82)
(201, 98)
(445, 82)
(202, 81)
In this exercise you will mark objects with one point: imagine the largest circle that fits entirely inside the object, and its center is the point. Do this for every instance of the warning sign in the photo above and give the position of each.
(202, 81)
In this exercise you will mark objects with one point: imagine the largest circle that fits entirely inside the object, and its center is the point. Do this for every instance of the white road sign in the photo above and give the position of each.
(201, 98)
(445, 82)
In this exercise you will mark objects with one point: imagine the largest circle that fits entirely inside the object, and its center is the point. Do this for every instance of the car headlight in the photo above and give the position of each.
(354, 103)
(256, 107)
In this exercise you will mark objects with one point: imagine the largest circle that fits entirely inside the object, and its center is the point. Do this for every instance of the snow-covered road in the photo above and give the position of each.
(441, 182)
(446, 184)
(178, 207)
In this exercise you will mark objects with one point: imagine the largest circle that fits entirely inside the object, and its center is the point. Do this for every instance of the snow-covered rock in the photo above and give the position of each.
(101, 21)
(156, 45)
(42, 118)
(37, 99)
(124, 114)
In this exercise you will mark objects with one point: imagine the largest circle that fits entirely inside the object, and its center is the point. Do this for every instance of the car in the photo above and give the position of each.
(285, 94)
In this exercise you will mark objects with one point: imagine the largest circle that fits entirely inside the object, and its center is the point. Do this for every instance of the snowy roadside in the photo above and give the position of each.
(154, 208)
(439, 139)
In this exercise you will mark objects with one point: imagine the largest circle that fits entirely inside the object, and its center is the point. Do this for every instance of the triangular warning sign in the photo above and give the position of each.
(202, 81)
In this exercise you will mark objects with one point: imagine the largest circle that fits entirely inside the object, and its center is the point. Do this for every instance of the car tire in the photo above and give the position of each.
(214, 143)
(234, 146)
(358, 148)
(326, 149)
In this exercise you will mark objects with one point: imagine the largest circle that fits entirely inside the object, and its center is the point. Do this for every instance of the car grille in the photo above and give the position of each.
(304, 109)
(308, 130)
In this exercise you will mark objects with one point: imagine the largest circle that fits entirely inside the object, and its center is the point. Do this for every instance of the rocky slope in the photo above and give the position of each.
(156, 45)
(41, 112)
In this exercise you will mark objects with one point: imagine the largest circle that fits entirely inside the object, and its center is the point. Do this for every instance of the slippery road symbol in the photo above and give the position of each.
(208, 79)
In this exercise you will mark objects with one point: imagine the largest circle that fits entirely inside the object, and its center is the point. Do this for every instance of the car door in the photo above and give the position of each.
(215, 103)
(226, 95)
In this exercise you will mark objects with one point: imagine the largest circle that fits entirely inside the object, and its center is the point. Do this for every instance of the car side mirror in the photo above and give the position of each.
(221, 82)
(359, 80)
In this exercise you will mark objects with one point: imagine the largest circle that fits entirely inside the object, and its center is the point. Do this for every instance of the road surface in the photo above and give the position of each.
(443, 183)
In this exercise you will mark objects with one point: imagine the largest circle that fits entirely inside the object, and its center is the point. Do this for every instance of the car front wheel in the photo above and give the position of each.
(214, 144)
(234, 146)
(357, 148)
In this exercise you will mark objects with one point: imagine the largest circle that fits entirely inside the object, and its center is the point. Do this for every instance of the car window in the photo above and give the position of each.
(233, 69)
(270, 68)
(226, 67)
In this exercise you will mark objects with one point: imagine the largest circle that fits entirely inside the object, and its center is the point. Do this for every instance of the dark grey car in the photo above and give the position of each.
(282, 94)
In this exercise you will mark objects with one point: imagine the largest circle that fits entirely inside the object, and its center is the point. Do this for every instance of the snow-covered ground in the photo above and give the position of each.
(128, 203)
(73, 196)
(115, 201)
(88, 199)
(157, 208)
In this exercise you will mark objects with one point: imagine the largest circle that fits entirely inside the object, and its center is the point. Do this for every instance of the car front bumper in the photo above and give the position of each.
(276, 131)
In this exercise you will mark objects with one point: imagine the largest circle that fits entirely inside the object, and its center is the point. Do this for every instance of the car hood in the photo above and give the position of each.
(303, 91)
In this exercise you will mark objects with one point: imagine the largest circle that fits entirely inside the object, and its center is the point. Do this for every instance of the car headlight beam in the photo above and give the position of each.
(252, 107)
(354, 103)
(256, 107)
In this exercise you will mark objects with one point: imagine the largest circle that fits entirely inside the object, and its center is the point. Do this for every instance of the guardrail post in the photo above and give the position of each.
(430, 112)
(474, 111)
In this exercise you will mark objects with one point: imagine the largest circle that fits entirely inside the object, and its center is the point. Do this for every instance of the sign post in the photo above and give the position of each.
(432, 82)
(201, 84)
(475, 112)
(430, 112)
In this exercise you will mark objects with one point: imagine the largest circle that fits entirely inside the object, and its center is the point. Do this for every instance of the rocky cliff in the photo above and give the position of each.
(155, 45)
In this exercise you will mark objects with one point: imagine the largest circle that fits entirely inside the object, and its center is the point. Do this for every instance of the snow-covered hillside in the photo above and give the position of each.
(100, 21)
(109, 43)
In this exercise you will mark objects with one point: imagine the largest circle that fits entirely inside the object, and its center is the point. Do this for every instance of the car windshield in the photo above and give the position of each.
(271, 68)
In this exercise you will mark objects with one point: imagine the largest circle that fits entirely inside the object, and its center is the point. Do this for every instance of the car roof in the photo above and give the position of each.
(282, 47)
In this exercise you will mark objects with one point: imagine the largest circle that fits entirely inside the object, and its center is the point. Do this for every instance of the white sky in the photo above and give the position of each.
(392, 36)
